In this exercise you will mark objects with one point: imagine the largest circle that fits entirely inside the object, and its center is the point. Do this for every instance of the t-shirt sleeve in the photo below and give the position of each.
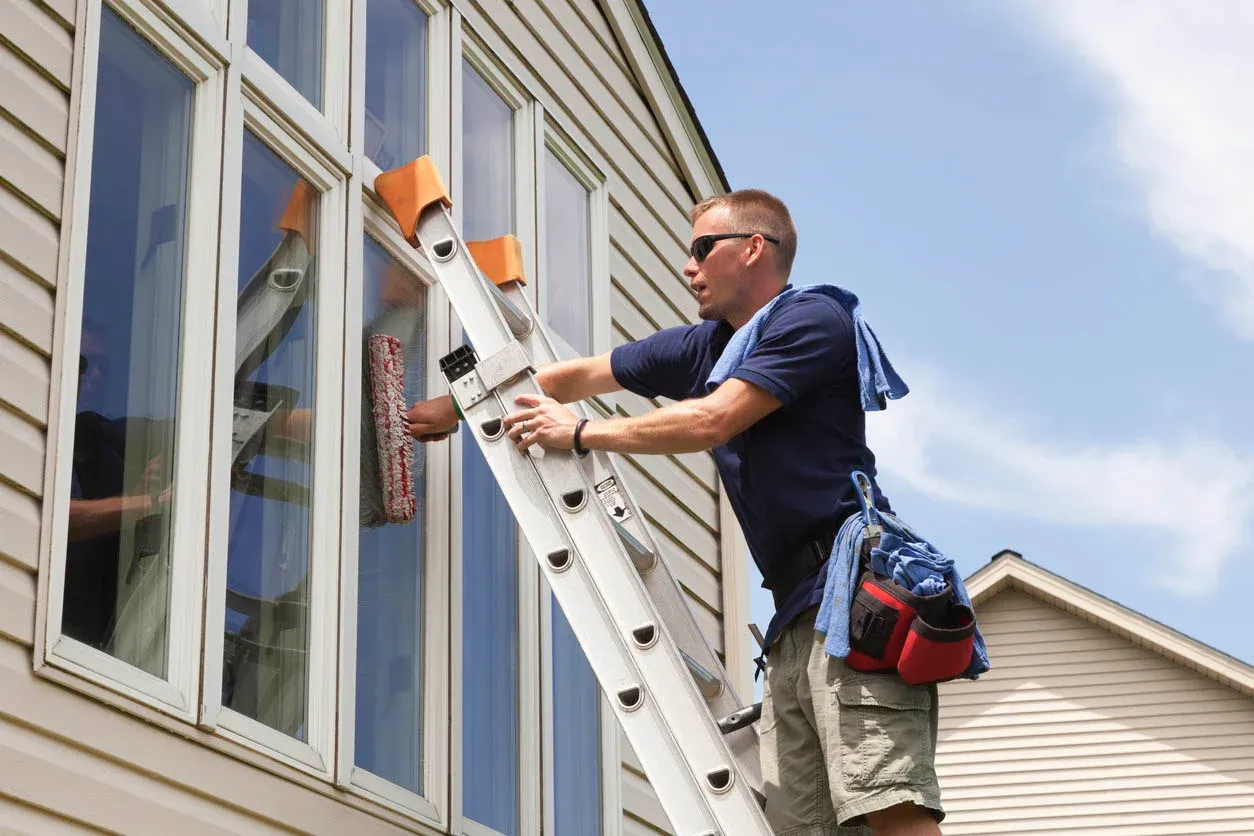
(664, 364)
(804, 345)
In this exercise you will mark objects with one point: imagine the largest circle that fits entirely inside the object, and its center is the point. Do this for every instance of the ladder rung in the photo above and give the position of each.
(740, 718)
(641, 555)
(709, 684)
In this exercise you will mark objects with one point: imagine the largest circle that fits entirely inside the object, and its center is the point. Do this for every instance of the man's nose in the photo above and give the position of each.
(691, 268)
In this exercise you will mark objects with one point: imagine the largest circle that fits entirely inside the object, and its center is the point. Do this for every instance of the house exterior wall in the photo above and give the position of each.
(79, 758)
(1077, 730)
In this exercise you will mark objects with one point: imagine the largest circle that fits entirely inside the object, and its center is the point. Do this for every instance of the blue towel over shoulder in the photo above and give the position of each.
(879, 381)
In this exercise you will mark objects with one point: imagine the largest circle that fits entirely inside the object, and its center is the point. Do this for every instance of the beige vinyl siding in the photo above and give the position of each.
(1077, 730)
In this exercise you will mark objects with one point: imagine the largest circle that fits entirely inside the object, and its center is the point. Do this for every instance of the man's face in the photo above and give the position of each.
(93, 365)
(719, 281)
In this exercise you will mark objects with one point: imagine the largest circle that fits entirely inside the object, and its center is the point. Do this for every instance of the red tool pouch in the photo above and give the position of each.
(938, 652)
(925, 638)
(879, 622)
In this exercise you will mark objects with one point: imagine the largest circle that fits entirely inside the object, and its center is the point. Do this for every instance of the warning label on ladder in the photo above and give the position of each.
(612, 499)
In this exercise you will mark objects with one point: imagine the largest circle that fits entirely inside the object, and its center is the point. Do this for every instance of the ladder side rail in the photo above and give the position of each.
(664, 590)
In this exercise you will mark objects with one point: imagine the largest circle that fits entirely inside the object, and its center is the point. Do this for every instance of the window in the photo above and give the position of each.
(489, 554)
(288, 36)
(570, 194)
(396, 82)
(127, 508)
(390, 556)
(265, 673)
(218, 553)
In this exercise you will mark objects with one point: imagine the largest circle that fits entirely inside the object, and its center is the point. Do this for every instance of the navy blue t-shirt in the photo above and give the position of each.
(787, 476)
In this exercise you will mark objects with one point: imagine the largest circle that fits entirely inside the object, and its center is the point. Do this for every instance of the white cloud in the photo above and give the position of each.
(1178, 75)
(1195, 495)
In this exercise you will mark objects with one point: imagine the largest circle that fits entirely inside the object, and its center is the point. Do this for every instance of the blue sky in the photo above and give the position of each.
(1047, 209)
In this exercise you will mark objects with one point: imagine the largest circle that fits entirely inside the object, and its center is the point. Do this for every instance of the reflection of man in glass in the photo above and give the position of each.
(107, 504)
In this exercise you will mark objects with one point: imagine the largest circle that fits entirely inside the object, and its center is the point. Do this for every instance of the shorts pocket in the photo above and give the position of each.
(882, 723)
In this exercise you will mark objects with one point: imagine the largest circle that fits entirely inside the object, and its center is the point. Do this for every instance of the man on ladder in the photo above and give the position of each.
(781, 407)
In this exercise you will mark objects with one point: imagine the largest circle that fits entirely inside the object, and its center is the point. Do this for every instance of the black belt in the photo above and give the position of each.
(800, 565)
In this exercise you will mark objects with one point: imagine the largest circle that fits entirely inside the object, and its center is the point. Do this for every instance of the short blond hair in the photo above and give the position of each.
(755, 210)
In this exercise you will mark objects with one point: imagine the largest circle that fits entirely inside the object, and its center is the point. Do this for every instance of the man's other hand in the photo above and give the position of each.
(431, 420)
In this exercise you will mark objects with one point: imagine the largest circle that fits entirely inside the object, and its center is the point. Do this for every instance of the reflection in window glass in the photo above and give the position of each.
(567, 261)
(117, 574)
(266, 656)
(489, 543)
(389, 595)
(396, 82)
(576, 735)
(287, 34)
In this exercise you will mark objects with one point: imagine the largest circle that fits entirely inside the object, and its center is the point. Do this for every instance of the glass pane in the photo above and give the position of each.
(390, 555)
(396, 82)
(489, 542)
(117, 574)
(576, 735)
(567, 261)
(287, 34)
(266, 658)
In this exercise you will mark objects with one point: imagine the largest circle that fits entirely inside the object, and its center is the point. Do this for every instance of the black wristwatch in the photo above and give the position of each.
(579, 448)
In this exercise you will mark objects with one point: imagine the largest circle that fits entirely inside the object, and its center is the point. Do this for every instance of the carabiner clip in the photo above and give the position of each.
(871, 528)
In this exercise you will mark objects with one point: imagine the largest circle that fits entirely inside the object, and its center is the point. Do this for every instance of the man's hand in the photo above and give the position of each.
(431, 420)
(545, 422)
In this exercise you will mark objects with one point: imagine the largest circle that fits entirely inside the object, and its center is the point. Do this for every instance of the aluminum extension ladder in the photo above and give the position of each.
(670, 694)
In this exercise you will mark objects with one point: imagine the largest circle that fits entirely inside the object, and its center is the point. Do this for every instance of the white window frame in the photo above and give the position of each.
(429, 806)
(177, 694)
(247, 112)
(466, 45)
(551, 137)
(327, 127)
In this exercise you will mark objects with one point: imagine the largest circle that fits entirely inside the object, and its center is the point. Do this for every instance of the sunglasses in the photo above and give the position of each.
(702, 246)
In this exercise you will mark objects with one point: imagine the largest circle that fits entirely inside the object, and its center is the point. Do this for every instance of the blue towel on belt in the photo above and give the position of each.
(878, 379)
(901, 555)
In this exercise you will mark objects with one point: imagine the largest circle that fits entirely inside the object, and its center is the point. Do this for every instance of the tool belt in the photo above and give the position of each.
(801, 565)
(926, 638)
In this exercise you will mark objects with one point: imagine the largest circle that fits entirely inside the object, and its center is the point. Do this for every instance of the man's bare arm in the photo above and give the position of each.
(688, 426)
(568, 381)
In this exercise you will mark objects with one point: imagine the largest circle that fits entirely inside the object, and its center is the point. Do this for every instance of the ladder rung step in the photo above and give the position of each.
(740, 718)
(710, 684)
(641, 555)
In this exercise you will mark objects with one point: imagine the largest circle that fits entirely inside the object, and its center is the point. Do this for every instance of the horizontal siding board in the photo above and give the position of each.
(63, 10)
(30, 168)
(19, 521)
(40, 37)
(595, 20)
(1080, 731)
(21, 818)
(17, 603)
(638, 263)
(28, 238)
(26, 308)
(33, 100)
(24, 379)
(21, 453)
(699, 465)
(642, 803)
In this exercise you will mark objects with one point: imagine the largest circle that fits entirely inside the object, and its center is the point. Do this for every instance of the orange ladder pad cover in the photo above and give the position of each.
(500, 259)
(409, 190)
(296, 216)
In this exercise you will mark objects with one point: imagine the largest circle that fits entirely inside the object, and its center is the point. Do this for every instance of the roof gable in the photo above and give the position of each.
(1008, 570)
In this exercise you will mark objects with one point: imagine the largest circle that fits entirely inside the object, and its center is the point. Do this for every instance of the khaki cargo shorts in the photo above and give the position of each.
(838, 744)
